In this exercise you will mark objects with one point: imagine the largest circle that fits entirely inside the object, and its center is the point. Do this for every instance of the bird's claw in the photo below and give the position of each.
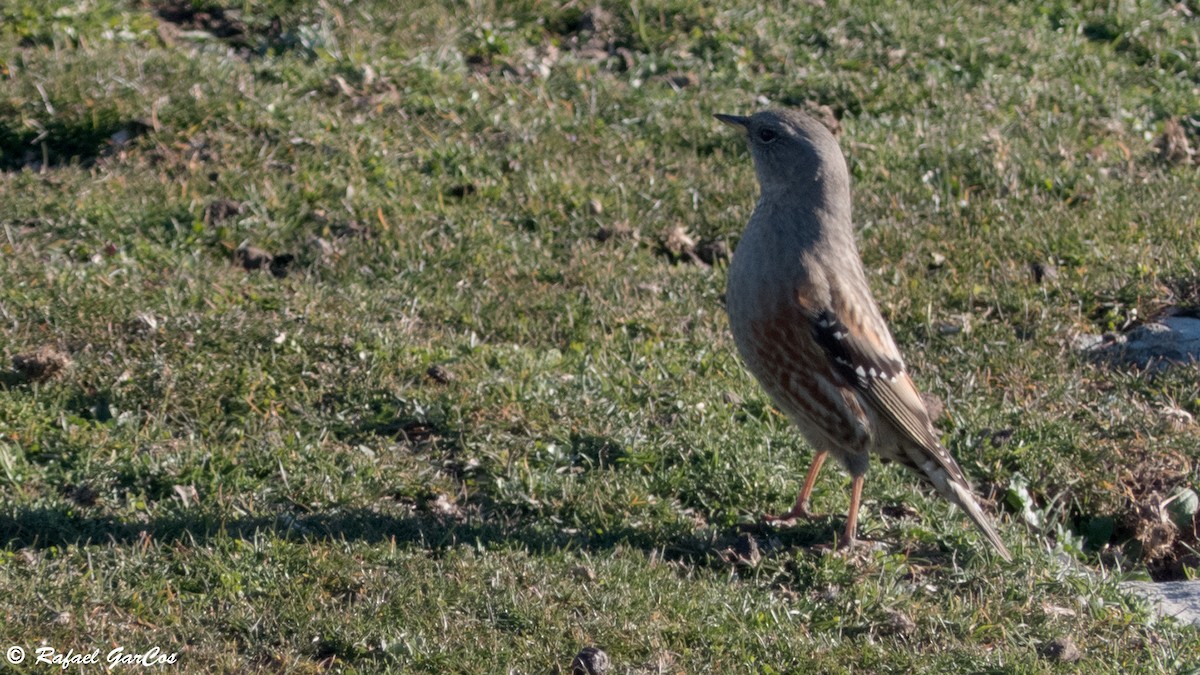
(801, 513)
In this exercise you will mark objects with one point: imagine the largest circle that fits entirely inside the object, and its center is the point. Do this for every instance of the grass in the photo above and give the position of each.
(479, 420)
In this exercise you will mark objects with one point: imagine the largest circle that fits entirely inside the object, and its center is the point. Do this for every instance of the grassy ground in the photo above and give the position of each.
(388, 348)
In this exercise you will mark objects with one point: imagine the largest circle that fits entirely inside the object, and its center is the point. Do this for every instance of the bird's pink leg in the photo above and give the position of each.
(851, 535)
(800, 508)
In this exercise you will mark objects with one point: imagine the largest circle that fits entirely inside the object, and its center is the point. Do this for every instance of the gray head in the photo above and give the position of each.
(793, 154)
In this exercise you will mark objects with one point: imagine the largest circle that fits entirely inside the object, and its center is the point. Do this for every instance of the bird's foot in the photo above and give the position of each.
(799, 512)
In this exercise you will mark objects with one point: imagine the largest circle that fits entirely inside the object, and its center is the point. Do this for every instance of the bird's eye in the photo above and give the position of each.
(766, 135)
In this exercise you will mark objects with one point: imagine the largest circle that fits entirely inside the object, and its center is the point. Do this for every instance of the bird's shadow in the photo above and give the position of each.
(44, 527)
(479, 521)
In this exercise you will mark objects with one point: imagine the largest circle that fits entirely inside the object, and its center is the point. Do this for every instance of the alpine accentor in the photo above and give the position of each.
(807, 327)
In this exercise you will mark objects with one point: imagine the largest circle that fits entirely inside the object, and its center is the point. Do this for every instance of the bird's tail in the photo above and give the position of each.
(960, 493)
(940, 469)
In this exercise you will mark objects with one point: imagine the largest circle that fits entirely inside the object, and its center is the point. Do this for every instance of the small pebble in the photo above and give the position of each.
(590, 661)
(1061, 649)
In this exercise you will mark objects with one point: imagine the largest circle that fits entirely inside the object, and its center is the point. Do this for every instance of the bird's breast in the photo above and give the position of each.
(771, 269)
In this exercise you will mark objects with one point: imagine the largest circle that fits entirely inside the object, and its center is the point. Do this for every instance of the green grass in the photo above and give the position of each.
(258, 471)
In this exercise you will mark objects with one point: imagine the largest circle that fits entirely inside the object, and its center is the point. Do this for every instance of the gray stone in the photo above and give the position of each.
(1177, 599)
(590, 661)
(1174, 339)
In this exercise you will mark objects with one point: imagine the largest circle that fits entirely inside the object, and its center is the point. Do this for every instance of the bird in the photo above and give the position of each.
(808, 328)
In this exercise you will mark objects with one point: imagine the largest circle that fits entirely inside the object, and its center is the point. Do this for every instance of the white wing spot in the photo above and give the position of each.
(860, 371)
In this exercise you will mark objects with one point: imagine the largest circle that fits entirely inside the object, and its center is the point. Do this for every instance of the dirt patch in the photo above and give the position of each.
(595, 34)
(1175, 144)
(220, 210)
(40, 145)
(617, 230)
(221, 23)
(251, 259)
(825, 115)
(1162, 535)
(677, 245)
(1185, 294)
(180, 18)
(43, 364)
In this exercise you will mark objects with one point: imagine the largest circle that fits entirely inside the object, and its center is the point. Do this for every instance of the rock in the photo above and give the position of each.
(1158, 344)
(590, 661)
(1061, 649)
(1179, 600)
(438, 373)
(1084, 342)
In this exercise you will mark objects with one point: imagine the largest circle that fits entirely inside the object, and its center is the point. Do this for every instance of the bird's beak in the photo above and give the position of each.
(734, 120)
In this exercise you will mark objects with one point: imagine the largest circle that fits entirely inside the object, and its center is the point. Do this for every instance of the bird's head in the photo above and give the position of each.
(793, 153)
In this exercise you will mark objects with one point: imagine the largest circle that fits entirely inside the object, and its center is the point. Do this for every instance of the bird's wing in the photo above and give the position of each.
(863, 354)
(860, 348)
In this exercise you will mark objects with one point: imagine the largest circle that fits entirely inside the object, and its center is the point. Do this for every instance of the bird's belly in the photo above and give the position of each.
(779, 352)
